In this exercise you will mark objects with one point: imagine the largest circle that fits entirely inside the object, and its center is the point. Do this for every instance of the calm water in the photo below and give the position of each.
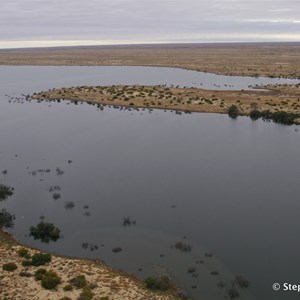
(227, 187)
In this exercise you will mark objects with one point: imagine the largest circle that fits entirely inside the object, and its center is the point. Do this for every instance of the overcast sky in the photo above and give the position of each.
(71, 22)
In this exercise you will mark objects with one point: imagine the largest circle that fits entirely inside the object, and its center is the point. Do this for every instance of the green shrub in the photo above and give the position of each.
(26, 263)
(23, 253)
(40, 259)
(86, 294)
(65, 298)
(50, 280)
(39, 274)
(79, 281)
(233, 111)
(68, 288)
(104, 298)
(162, 283)
(25, 274)
(10, 267)
(255, 114)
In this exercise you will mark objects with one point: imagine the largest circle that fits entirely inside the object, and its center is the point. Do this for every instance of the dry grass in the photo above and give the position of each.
(263, 59)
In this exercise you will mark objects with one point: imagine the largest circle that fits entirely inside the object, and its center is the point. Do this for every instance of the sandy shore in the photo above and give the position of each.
(252, 59)
(278, 98)
(108, 282)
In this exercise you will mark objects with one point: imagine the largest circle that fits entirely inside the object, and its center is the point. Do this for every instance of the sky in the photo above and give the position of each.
(38, 23)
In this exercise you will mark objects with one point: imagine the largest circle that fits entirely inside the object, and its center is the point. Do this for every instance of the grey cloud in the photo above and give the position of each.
(137, 19)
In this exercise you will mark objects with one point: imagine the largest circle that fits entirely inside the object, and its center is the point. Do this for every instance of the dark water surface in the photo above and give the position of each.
(226, 187)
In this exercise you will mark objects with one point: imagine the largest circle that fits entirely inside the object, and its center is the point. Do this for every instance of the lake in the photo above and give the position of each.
(229, 188)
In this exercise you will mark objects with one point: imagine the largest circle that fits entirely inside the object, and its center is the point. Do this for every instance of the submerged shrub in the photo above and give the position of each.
(5, 191)
(45, 232)
(6, 219)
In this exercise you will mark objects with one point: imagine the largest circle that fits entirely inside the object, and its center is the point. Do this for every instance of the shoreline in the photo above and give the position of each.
(112, 283)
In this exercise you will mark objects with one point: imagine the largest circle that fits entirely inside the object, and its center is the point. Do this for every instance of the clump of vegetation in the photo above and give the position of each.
(6, 219)
(38, 259)
(241, 281)
(50, 280)
(128, 222)
(56, 196)
(45, 232)
(10, 267)
(255, 114)
(39, 274)
(161, 283)
(86, 294)
(281, 117)
(183, 247)
(79, 281)
(22, 252)
(69, 204)
(68, 288)
(65, 298)
(5, 192)
(233, 293)
(233, 111)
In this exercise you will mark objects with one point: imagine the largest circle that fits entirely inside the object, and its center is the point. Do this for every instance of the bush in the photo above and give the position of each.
(79, 281)
(86, 294)
(5, 192)
(255, 114)
(6, 219)
(45, 232)
(50, 280)
(233, 111)
(40, 259)
(65, 298)
(39, 274)
(10, 267)
(68, 288)
(23, 253)
(162, 283)
(25, 274)
(104, 298)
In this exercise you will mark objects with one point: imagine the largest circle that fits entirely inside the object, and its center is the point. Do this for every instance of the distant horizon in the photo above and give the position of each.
(74, 44)
(32, 24)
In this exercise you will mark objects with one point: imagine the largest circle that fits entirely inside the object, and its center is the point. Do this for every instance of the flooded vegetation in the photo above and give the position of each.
(153, 192)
